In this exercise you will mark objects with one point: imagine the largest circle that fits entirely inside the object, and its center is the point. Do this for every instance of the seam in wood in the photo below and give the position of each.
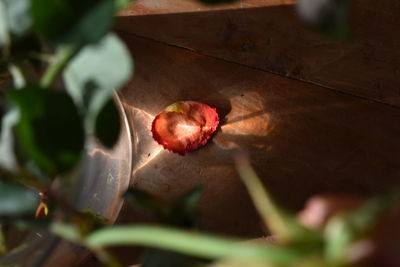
(316, 84)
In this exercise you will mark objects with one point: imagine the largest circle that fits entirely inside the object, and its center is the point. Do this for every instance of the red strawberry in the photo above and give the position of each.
(185, 126)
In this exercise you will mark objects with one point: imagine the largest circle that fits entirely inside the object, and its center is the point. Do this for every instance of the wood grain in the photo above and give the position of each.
(273, 39)
(147, 7)
(302, 139)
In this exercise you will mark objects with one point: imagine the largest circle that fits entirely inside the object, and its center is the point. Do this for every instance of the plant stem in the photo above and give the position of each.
(64, 54)
(280, 221)
(199, 245)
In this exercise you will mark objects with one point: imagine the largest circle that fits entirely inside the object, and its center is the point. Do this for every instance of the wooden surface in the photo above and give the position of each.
(147, 7)
(270, 37)
(302, 139)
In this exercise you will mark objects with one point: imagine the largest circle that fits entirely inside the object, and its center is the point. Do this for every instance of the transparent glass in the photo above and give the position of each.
(103, 177)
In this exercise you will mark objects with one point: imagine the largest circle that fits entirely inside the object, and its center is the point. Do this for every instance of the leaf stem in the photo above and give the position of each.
(199, 245)
(63, 55)
(281, 222)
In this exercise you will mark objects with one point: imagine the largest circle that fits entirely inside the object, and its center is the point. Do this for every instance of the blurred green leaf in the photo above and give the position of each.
(73, 21)
(17, 200)
(67, 231)
(108, 124)
(120, 4)
(346, 228)
(95, 73)
(8, 119)
(21, 176)
(15, 19)
(281, 222)
(238, 263)
(328, 16)
(18, 76)
(4, 34)
(8, 159)
(367, 215)
(49, 131)
(338, 235)
(79, 225)
(189, 243)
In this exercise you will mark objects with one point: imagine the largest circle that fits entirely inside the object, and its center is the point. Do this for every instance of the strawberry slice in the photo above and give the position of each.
(185, 126)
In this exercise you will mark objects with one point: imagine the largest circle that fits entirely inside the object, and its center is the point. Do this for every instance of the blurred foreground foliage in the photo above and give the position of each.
(60, 66)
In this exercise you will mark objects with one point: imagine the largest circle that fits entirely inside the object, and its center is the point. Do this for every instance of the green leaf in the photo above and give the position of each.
(16, 200)
(18, 76)
(240, 263)
(15, 19)
(8, 159)
(338, 235)
(120, 4)
(4, 34)
(194, 244)
(18, 16)
(345, 228)
(108, 124)
(95, 73)
(281, 222)
(73, 21)
(328, 16)
(67, 231)
(49, 131)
